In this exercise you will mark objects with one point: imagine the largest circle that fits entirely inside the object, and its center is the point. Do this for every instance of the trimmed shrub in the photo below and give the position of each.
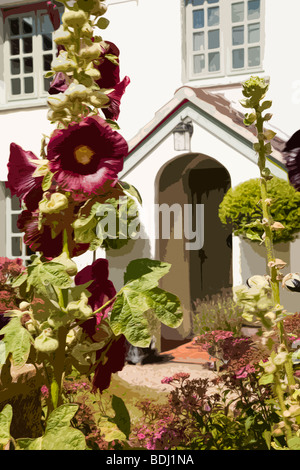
(241, 208)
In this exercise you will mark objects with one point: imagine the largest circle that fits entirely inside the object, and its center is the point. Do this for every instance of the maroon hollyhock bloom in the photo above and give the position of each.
(113, 110)
(115, 358)
(87, 156)
(292, 159)
(20, 180)
(102, 290)
(42, 240)
(110, 78)
(53, 15)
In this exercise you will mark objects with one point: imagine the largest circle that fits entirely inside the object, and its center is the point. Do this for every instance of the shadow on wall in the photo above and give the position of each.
(253, 261)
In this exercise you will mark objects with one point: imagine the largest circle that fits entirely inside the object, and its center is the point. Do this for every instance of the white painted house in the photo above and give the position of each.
(186, 60)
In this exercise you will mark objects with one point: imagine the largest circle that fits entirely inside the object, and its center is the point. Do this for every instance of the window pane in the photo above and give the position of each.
(14, 29)
(47, 42)
(27, 25)
(14, 47)
(214, 39)
(47, 82)
(28, 64)
(47, 62)
(28, 84)
(213, 16)
(237, 35)
(237, 12)
(196, 3)
(212, 1)
(253, 56)
(253, 32)
(213, 61)
(15, 203)
(46, 25)
(253, 9)
(15, 86)
(16, 246)
(14, 219)
(199, 63)
(198, 19)
(27, 45)
(198, 41)
(238, 58)
(15, 68)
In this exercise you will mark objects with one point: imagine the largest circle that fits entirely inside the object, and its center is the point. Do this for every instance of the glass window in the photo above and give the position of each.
(15, 66)
(196, 3)
(14, 27)
(238, 58)
(199, 63)
(253, 32)
(27, 25)
(213, 16)
(214, 39)
(198, 41)
(28, 64)
(254, 56)
(15, 86)
(237, 35)
(237, 12)
(198, 19)
(253, 9)
(214, 61)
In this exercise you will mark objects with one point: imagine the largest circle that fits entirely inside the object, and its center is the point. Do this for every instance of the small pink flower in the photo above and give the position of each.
(45, 391)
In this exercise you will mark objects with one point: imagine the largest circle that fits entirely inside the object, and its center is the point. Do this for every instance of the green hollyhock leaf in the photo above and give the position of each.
(5, 422)
(102, 23)
(47, 181)
(131, 190)
(127, 317)
(42, 274)
(166, 307)
(294, 443)
(141, 295)
(85, 226)
(59, 435)
(17, 341)
(143, 274)
(110, 431)
(266, 379)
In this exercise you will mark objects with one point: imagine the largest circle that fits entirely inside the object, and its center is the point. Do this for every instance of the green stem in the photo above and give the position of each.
(66, 242)
(279, 393)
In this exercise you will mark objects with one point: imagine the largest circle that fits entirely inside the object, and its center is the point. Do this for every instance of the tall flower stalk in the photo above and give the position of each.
(279, 368)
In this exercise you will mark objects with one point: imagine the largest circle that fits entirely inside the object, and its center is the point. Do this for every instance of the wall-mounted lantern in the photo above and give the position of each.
(182, 135)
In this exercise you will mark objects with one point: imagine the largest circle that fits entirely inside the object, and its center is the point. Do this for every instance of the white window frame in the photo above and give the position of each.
(225, 27)
(10, 212)
(37, 55)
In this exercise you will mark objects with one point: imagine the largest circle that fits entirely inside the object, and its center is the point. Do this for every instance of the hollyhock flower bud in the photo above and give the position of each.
(70, 265)
(99, 8)
(270, 368)
(54, 205)
(62, 63)
(91, 52)
(76, 91)
(280, 358)
(87, 30)
(98, 99)
(292, 282)
(24, 306)
(74, 19)
(80, 308)
(57, 102)
(62, 36)
(257, 281)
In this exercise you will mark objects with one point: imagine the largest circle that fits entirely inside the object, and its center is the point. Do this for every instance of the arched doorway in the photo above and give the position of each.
(203, 266)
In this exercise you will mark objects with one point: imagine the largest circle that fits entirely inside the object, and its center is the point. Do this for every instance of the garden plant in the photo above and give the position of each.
(74, 327)
(67, 319)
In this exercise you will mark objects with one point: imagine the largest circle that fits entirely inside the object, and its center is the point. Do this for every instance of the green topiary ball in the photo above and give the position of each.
(241, 208)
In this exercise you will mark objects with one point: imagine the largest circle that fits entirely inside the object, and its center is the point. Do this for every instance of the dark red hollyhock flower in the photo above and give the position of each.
(102, 290)
(20, 170)
(53, 15)
(42, 240)
(110, 78)
(59, 84)
(292, 159)
(113, 110)
(115, 358)
(86, 156)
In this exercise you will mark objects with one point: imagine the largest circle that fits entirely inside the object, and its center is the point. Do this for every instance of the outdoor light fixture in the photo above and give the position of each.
(182, 135)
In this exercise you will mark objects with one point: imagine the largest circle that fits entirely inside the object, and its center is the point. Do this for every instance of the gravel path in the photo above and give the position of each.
(150, 375)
